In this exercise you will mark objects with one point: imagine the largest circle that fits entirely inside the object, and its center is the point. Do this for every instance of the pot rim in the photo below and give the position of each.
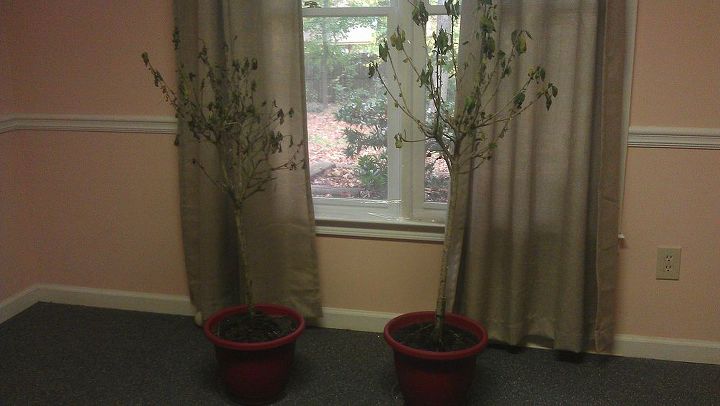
(453, 319)
(264, 345)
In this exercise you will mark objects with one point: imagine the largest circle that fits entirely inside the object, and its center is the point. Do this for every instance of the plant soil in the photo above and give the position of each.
(244, 328)
(418, 336)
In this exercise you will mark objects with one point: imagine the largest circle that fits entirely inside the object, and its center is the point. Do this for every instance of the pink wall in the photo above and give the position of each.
(677, 60)
(92, 209)
(100, 210)
(672, 199)
(18, 267)
(672, 196)
(88, 209)
(6, 89)
(83, 57)
(384, 276)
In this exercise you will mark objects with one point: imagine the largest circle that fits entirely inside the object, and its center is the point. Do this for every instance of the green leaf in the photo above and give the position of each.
(397, 39)
(454, 8)
(442, 42)
(469, 104)
(426, 75)
(383, 50)
(488, 48)
(521, 45)
(518, 41)
(371, 70)
(420, 14)
(176, 38)
(537, 73)
(486, 24)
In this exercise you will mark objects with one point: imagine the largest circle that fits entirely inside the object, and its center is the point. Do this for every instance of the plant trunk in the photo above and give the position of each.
(242, 261)
(440, 307)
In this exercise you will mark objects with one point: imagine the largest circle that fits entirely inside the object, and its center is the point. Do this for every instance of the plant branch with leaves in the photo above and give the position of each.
(220, 109)
(468, 134)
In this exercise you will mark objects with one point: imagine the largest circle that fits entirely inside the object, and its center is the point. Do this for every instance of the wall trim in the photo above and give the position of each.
(364, 232)
(674, 137)
(638, 136)
(91, 123)
(18, 302)
(626, 345)
(357, 320)
(669, 349)
(105, 298)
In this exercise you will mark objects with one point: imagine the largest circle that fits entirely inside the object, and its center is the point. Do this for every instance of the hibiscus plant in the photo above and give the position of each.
(465, 133)
(219, 107)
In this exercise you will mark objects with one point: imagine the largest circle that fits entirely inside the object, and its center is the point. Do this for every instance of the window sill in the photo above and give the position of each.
(406, 230)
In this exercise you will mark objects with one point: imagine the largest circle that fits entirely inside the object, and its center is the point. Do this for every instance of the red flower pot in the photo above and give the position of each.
(435, 378)
(255, 373)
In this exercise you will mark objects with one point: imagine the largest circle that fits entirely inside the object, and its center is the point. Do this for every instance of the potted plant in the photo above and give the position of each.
(254, 342)
(435, 352)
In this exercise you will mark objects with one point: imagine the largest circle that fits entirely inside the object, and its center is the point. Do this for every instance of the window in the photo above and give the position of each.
(357, 173)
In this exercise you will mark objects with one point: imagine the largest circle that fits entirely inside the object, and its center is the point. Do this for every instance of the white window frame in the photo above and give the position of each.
(405, 205)
(414, 211)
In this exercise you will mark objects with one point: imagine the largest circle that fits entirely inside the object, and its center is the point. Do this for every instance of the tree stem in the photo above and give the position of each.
(242, 261)
(441, 304)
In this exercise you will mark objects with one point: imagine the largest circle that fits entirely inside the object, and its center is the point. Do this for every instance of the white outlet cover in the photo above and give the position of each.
(668, 263)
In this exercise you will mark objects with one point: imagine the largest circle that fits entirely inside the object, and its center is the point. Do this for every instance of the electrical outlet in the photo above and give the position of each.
(668, 263)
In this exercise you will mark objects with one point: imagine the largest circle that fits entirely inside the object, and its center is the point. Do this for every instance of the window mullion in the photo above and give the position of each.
(345, 12)
(396, 175)
(416, 150)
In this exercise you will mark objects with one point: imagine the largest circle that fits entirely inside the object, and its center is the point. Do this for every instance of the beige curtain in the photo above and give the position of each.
(279, 221)
(538, 255)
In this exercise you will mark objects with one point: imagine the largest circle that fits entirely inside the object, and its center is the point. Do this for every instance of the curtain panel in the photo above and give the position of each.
(279, 221)
(537, 256)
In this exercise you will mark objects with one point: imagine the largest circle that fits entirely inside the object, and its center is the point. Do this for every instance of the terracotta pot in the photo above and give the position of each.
(432, 378)
(255, 373)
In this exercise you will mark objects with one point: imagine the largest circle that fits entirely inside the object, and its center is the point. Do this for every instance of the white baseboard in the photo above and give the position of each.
(358, 320)
(105, 298)
(117, 299)
(15, 304)
(671, 349)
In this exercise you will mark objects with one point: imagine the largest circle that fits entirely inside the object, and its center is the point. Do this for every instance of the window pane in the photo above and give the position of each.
(437, 177)
(353, 3)
(347, 118)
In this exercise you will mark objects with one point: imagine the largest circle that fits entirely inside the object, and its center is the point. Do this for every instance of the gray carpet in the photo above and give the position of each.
(72, 355)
